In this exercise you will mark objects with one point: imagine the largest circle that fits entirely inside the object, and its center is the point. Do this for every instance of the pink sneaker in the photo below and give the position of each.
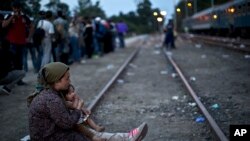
(139, 133)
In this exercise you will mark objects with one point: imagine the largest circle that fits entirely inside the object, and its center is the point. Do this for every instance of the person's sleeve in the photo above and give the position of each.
(61, 115)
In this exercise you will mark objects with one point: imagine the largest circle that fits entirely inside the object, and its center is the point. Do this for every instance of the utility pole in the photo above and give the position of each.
(186, 8)
(195, 6)
(175, 15)
(212, 3)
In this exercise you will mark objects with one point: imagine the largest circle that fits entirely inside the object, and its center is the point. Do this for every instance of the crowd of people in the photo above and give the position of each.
(52, 37)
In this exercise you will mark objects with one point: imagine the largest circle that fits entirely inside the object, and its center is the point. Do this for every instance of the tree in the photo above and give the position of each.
(56, 5)
(30, 7)
(86, 8)
(64, 8)
(145, 14)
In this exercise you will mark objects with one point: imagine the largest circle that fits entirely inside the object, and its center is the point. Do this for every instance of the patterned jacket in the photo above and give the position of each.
(50, 120)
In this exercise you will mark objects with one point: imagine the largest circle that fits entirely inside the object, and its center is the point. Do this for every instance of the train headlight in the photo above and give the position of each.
(215, 16)
(232, 10)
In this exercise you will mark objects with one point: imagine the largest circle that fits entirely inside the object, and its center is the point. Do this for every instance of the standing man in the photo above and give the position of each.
(17, 23)
(46, 46)
(169, 35)
(122, 29)
(61, 35)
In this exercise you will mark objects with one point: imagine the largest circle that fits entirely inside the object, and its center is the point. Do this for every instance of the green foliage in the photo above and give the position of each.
(86, 8)
(141, 21)
(30, 7)
(54, 6)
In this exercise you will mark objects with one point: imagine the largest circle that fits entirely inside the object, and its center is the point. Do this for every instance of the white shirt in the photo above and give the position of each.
(47, 26)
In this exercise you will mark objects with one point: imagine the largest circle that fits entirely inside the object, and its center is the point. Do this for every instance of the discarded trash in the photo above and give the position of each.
(242, 46)
(164, 72)
(170, 114)
(192, 78)
(157, 46)
(110, 66)
(225, 56)
(130, 74)
(215, 106)
(200, 119)
(152, 117)
(203, 56)
(192, 104)
(184, 96)
(120, 81)
(174, 75)
(83, 61)
(26, 138)
(169, 53)
(175, 97)
(198, 45)
(132, 65)
(157, 52)
(163, 114)
(247, 56)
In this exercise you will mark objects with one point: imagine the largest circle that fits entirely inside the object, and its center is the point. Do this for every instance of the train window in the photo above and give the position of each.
(248, 7)
(239, 10)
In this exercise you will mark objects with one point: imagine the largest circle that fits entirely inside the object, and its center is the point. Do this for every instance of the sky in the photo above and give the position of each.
(113, 7)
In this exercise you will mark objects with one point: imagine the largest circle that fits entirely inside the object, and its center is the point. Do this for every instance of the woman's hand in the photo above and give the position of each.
(86, 111)
(80, 104)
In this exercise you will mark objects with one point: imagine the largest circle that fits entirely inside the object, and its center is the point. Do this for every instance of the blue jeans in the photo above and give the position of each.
(121, 40)
(75, 48)
(33, 55)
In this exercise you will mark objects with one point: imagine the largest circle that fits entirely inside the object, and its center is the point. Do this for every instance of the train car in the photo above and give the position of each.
(229, 19)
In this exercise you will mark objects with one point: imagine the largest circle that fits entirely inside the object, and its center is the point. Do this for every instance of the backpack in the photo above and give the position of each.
(38, 35)
(60, 32)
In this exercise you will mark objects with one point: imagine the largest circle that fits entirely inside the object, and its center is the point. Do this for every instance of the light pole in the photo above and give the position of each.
(195, 6)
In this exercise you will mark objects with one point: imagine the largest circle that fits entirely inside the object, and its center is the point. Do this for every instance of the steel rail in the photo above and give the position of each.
(113, 79)
(210, 119)
(223, 42)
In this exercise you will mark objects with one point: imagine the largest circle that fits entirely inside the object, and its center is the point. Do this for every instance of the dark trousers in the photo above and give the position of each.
(121, 40)
(17, 55)
(89, 48)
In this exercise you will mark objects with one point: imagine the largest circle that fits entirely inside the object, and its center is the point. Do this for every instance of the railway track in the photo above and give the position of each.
(201, 106)
(220, 135)
(229, 43)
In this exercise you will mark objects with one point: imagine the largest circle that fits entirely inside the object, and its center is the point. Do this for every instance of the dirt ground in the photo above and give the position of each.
(148, 92)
